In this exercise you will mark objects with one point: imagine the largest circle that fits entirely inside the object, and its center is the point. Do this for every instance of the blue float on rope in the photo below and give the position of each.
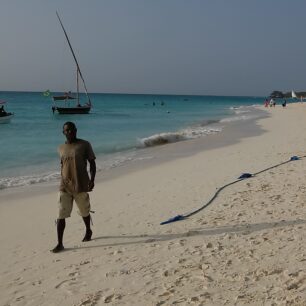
(245, 175)
(174, 219)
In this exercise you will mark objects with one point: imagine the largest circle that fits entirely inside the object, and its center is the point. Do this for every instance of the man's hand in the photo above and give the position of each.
(92, 170)
(91, 185)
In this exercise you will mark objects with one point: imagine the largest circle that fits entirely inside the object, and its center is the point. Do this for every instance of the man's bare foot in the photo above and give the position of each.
(58, 248)
(87, 236)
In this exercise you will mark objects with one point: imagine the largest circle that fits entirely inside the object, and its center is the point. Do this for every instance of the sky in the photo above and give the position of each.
(196, 47)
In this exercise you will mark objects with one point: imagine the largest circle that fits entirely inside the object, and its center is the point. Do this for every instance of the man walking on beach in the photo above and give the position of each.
(75, 181)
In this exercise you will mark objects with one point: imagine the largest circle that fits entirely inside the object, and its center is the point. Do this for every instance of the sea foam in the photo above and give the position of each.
(238, 118)
(19, 181)
(108, 162)
(171, 137)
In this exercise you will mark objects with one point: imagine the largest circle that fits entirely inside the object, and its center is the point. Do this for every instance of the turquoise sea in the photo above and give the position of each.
(118, 126)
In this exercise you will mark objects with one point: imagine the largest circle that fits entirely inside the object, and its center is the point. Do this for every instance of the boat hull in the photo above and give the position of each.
(71, 110)
(61, 98)
(6, 119)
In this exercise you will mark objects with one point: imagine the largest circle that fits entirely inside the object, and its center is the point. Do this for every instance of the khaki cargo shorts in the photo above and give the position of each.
(65, 202)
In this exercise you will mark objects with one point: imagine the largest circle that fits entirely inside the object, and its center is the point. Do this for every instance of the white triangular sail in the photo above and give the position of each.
(293, 95)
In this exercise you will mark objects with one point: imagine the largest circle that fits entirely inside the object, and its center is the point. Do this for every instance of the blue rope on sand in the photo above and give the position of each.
(243, 176)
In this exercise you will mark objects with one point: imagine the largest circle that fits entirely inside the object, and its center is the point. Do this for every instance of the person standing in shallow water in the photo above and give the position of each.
(75, 181)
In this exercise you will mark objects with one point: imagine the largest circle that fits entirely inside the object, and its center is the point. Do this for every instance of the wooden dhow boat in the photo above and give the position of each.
(65, 107)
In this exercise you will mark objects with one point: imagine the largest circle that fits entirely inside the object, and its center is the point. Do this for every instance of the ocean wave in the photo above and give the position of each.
(244, 106)
(238, 118)
(171, 137)
(242, 109)
(209, 121)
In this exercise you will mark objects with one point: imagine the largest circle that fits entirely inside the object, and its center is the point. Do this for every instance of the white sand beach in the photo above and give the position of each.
(246, 248)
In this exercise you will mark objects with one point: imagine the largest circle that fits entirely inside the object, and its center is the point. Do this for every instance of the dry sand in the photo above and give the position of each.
(246, 248)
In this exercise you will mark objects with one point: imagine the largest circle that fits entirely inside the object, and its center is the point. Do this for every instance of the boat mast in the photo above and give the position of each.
(76, 62)
(77, 80)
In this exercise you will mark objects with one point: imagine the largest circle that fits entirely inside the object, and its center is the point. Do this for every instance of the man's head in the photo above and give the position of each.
(70, 131)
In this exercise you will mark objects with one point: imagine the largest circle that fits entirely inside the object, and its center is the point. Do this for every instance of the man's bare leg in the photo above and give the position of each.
(61, 224)
(88, 233)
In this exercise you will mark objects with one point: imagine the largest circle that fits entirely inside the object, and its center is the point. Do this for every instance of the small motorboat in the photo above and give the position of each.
(6, 118)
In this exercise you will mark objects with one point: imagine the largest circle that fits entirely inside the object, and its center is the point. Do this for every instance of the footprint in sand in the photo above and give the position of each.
(36, 283)
(159, 303)
(85, 262)
(296, 284)
(180, 301)
(19, 298)
(166, 273)
(91, 299)
(63, 282)
(182, 242)
(74, 274)
(165, 294)
(112, 297)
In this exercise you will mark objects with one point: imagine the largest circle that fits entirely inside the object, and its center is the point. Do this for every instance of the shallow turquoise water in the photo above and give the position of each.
(117, 123)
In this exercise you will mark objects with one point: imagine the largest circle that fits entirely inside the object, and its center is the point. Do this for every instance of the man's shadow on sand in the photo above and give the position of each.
(245, 229)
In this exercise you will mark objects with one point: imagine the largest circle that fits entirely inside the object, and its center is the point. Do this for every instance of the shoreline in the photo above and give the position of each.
(151, 156)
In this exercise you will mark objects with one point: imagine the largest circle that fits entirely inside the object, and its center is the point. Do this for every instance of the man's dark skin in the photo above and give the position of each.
(70, 132)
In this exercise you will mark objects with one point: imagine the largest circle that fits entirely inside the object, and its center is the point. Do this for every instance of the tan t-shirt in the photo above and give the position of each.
(74, 157)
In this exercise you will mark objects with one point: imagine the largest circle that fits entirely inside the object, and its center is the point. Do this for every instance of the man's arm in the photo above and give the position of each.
(92, 171)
